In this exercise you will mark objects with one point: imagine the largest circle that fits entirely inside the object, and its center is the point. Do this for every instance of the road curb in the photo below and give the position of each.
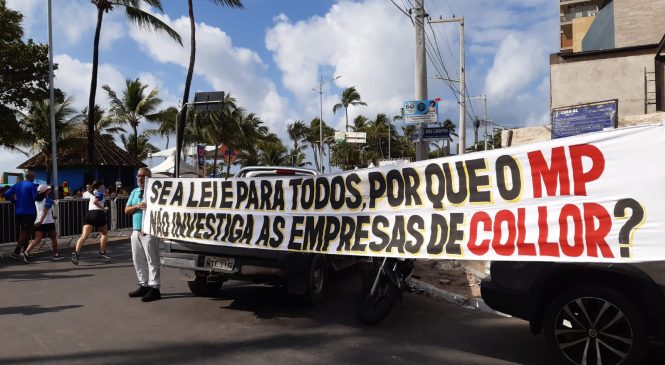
(461, 300)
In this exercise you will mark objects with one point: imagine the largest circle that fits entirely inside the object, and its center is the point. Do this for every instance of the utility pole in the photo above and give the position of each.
(462, 85)
(421, 73)
(54, 147)
(484, 98)
(462, 82)
(485, 117)
(320, 92)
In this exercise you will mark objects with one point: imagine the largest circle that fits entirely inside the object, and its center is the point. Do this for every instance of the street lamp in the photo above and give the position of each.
(203, 101)
(320, 91)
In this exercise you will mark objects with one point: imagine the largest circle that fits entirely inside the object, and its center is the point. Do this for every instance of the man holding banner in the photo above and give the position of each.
(145, 247)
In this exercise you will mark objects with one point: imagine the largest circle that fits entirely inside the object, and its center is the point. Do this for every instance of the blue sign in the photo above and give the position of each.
(420, 111)
(432, 134)
(582, 119)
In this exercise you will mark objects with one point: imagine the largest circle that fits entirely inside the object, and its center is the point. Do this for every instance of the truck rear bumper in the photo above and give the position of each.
(241, 267)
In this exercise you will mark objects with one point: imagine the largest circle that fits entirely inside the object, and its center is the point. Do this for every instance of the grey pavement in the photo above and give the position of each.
(57, 313)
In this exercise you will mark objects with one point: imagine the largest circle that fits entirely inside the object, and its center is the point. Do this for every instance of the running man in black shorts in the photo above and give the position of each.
(23, 194)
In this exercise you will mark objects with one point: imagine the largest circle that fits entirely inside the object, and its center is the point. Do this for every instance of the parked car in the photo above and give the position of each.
(589, 313)
(207, 267)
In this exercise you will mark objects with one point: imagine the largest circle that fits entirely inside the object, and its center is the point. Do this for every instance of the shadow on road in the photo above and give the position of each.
(28, 310)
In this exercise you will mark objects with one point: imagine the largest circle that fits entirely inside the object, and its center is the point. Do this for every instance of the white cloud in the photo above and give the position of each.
(73, 77)
(369, 44)
(29, 9)
(154, 82)
(224, 66)
(513, 68)
(75, 20)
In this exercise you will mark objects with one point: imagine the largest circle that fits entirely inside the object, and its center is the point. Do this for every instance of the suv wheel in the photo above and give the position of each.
(202, 288)
(317, 280)
(593, 324)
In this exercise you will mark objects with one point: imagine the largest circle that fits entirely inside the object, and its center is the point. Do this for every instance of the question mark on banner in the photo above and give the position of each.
(635, 220)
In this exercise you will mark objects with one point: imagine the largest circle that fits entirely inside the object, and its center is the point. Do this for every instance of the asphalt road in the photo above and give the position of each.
(57, 313)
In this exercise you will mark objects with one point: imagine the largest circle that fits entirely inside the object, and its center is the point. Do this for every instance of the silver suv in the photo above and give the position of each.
(589, 313)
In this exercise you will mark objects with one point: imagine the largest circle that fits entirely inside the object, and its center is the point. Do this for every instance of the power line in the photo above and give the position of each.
(438, 64)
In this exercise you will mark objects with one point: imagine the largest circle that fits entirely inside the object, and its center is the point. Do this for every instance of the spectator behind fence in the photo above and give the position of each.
(122, 191)
(95, 218)
(64, 190)
(87, 194)
(23, 194)
(78, 194)
(44, 224)
(2, 193)
(145, 247)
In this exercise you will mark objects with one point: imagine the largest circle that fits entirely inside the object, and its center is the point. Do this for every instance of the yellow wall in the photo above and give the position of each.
(580, 27)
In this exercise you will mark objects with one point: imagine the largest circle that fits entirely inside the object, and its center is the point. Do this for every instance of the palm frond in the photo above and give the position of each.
(146, 20)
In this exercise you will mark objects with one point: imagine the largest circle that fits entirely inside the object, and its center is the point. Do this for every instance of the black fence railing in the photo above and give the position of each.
(70, 214)
(7, 223)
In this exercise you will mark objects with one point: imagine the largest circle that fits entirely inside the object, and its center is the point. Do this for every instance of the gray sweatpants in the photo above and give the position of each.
(145, 254)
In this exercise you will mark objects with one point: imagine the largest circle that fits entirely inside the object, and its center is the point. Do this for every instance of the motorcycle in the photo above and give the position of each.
(384, 281)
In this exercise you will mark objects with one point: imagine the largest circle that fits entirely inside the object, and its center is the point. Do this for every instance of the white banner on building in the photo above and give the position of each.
(598, 197)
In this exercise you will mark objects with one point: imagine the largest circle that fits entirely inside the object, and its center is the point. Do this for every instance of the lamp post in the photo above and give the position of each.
(203, 101)
(320, 91)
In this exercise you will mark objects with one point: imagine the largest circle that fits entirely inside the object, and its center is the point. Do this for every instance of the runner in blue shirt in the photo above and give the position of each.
(23, 194)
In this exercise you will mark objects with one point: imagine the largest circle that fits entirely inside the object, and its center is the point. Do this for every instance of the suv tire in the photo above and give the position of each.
(588, 320)
(317, 280)
(202, 288)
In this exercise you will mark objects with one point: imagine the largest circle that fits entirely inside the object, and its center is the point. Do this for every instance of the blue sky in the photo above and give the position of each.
(270, 55)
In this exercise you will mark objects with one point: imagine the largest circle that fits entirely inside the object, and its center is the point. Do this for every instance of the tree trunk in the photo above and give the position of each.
(93, 92)
(136, 140)
(188, 80)
(346, 113)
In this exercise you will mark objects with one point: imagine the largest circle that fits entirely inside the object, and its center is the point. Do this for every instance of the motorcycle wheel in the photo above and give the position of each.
(371, 309)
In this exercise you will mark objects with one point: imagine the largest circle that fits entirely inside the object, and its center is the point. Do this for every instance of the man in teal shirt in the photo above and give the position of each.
(145, 247)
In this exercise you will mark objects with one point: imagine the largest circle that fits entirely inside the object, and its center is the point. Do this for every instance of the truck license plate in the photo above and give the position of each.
(219, 263)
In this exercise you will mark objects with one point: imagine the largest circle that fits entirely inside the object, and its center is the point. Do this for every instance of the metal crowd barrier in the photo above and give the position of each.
(7, 223)
(70, 214)
(120, 220)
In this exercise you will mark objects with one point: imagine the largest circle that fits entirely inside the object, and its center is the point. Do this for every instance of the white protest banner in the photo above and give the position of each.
(597, 197)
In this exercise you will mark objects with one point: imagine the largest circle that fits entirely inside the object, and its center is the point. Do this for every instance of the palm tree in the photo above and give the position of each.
(237, 130)
(349, 97)
(37, 124)
(167, 121)
(272, 152)
(134, 105)
(210, 129)
(297, 132)
(312, 138)
(139, 146)
(192, 59)
(377, 130)
(136, 16)
(106, 127)
(451, 127)
(359, 123)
